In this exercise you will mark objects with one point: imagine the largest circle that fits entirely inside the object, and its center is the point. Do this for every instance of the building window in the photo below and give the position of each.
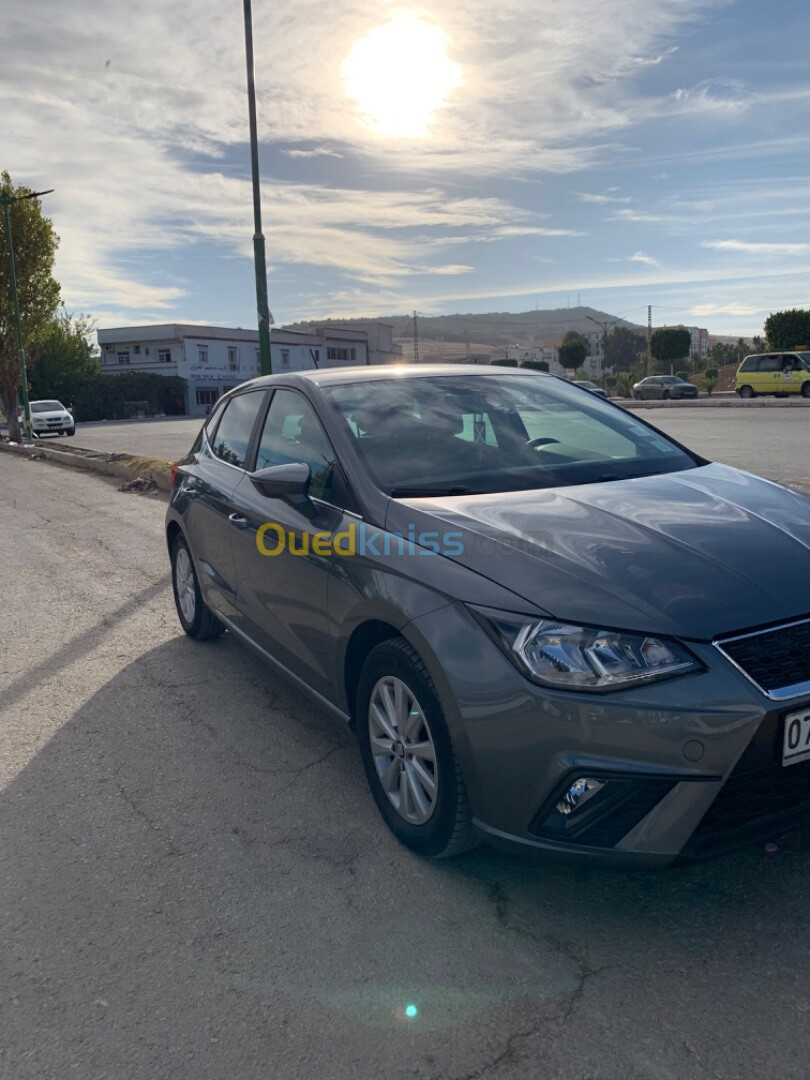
(233, 358)
(202, 354)
(333, 353)
(137, 350)
(164, 356)
(207, 397)
(285, 357)
(123, 356)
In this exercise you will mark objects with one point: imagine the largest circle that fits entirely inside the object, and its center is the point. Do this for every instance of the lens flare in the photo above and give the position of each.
(411, 1012)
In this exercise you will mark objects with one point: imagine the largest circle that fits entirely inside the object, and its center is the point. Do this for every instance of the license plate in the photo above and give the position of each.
(796, 740)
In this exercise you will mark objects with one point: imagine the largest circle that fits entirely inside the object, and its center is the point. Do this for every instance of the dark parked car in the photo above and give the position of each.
(663, 387)
(550, 625)
(594, 389)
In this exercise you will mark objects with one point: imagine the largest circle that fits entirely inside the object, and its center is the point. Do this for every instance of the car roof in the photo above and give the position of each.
(333, 376)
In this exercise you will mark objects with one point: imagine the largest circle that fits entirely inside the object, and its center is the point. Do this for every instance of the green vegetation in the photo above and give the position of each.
(573, 351)
(35, 244)
(669, 345)
(788, 329)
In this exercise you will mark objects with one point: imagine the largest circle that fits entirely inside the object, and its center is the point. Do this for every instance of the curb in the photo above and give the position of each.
(715, 403)
(122, 466)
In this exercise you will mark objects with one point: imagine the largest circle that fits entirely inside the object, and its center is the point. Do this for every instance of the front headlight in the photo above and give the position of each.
(585, 658)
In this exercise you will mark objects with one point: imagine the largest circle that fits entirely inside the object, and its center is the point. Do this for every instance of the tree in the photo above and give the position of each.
(670, 344)
(535, 365)
(573, 351)
(504, 361)
(63, 357)
(623, 348)
(710, 380)
(35, 244)
(788, 329)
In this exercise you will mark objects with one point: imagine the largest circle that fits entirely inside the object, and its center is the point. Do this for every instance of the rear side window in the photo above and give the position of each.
(750, 363)
(770, 363)
(233, 432)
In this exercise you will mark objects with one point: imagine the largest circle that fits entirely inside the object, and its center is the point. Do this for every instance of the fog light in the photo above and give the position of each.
(578, 794)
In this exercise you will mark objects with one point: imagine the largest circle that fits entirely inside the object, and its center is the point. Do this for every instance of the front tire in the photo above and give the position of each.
(196, 618)
(408, 754)
(71, 433)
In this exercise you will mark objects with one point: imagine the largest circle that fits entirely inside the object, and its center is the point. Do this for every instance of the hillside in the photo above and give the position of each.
(489, 331)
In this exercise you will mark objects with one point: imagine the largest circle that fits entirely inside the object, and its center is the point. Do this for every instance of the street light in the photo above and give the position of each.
(259, 260)
(7, 200)
(604, 324)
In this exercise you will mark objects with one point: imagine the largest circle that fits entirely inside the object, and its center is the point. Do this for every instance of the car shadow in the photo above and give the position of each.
(194, 865)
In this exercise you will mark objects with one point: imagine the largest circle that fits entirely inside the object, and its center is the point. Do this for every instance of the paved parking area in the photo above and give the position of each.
(195, 884)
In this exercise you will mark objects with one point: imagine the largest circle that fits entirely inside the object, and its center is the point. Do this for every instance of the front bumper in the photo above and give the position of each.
(690, 767)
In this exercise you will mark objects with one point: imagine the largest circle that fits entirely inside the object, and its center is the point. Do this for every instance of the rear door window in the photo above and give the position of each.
(232, 438)
(751, 363)
(770, 363)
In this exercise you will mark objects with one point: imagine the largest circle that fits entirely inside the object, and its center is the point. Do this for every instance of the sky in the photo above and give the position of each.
(459, 157)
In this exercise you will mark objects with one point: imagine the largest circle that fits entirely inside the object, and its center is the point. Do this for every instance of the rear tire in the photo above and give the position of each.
(806, 389)
(746, 392)
(408, 754)
(196, 618)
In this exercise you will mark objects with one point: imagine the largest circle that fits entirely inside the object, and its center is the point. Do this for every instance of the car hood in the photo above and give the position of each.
(692, 554)
(51, 414)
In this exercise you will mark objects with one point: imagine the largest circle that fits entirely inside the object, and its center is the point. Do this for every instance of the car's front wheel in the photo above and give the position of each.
(72, 431)
(408, 754)
(195, 616)
(637, 395)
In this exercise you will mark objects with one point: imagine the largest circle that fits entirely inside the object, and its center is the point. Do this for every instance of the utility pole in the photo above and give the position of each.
(7, 201)
(415, 338)
(259, 258)
(649, 338)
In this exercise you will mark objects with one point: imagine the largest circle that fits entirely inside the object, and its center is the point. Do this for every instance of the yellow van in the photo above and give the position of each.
(777, 373)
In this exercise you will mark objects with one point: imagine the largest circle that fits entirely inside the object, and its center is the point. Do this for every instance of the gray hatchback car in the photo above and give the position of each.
(551, 626)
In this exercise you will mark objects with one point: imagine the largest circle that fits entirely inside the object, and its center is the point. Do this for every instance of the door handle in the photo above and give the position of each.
(239, 521)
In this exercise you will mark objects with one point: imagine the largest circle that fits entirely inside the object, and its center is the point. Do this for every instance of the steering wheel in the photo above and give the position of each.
(535, 443)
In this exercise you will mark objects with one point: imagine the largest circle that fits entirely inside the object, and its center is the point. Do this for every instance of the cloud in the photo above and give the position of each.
(600, 200)
(750, 248)
(316, 152)
(640, 257)
(705, 310)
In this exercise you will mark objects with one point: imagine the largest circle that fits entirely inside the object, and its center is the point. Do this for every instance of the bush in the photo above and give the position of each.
(535, 365)
(709, 380)
(711, 373)
(504, 361)
(683, 375)
(110, 397)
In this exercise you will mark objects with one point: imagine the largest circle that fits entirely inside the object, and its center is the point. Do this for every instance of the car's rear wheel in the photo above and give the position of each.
(408, 754)
(195, 616)
(746, 392)
(806, 389)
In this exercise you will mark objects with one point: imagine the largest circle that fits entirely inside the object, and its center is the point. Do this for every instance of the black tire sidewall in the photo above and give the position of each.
(398, 659)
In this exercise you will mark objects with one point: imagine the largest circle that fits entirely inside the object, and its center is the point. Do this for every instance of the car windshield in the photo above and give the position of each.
(447, 435)
(47, 406)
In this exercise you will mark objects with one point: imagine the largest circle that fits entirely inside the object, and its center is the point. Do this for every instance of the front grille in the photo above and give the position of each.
(773, 659)
(761, 798)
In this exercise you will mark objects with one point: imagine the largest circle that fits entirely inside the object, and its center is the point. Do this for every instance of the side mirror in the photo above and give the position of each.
(282, 481)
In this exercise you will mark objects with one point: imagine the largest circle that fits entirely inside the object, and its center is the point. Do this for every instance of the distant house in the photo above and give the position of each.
(213, 359)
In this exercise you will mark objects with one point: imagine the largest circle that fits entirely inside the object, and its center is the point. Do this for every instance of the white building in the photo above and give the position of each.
(213, 359)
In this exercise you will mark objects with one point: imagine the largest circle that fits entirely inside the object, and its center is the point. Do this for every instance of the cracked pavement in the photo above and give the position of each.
(195, 882)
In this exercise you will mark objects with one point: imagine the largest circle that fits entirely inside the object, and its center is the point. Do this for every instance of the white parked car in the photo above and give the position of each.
(51, 418)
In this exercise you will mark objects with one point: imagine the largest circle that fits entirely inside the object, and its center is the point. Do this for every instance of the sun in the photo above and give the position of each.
(399, 75)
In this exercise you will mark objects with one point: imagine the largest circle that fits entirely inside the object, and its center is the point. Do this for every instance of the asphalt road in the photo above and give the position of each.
(195, 883)
(767, 441)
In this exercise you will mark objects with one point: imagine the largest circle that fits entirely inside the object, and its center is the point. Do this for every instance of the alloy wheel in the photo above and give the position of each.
(403, 750)
(184, 584)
